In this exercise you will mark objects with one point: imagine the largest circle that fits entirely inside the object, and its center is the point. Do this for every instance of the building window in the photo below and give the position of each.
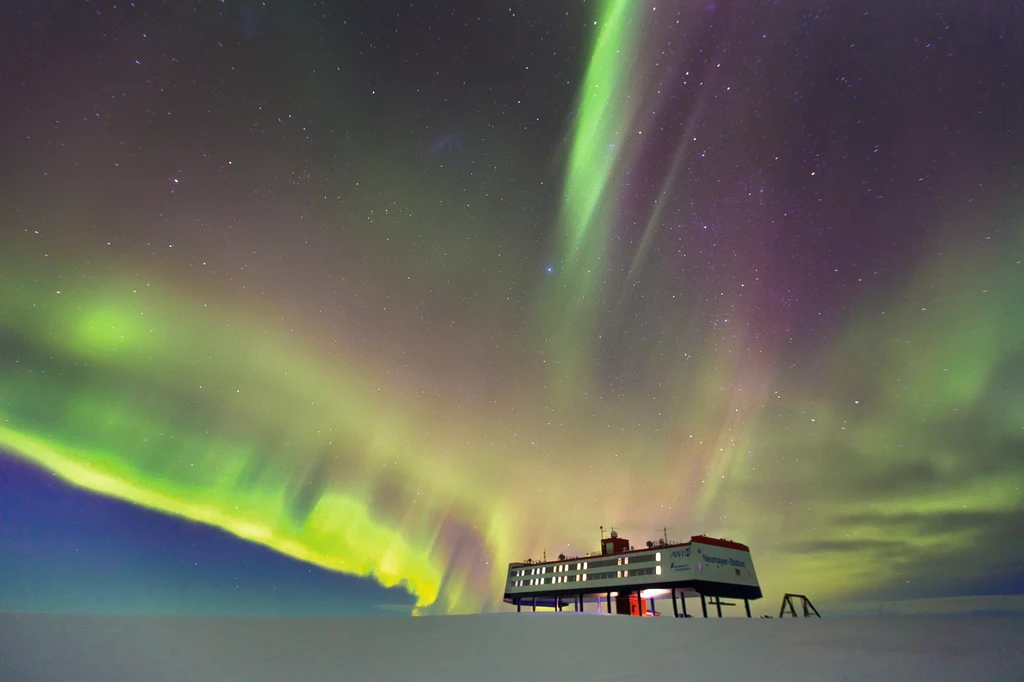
(657, 557)
(619, 562)
(626, 561)
(619, 574)
(584, 565)
(578, 566)
(584, 577)
(625, 574)
(657, 569)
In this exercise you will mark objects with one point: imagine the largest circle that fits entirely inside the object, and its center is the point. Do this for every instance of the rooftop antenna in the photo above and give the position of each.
(665, 531)
(602, 533)
(545, 556)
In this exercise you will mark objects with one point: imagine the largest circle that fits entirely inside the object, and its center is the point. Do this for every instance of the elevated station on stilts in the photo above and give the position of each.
(628, 581)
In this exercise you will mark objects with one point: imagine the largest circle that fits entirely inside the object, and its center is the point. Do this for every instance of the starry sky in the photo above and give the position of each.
(340, 307)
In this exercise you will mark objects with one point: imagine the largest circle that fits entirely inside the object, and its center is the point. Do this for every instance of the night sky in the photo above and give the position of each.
(338, 308)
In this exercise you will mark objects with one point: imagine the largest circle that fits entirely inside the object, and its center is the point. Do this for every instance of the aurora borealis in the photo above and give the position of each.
(408, 293)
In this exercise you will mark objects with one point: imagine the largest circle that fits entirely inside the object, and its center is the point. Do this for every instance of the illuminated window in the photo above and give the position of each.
(626, 561)
(625, 574)
(578, 566)
(657, 569)
(657, 557)
(619, 574)
(620, 561)
(584, 577)
(584, 565)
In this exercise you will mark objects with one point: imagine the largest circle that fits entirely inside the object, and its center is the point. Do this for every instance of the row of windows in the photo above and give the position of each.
(558, 579)
(541, 570)
(583, 565)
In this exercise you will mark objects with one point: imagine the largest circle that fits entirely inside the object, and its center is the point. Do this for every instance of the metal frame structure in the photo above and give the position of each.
(787, 605)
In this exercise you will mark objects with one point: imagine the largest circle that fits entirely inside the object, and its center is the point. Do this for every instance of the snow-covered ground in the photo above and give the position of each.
(543, 646)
